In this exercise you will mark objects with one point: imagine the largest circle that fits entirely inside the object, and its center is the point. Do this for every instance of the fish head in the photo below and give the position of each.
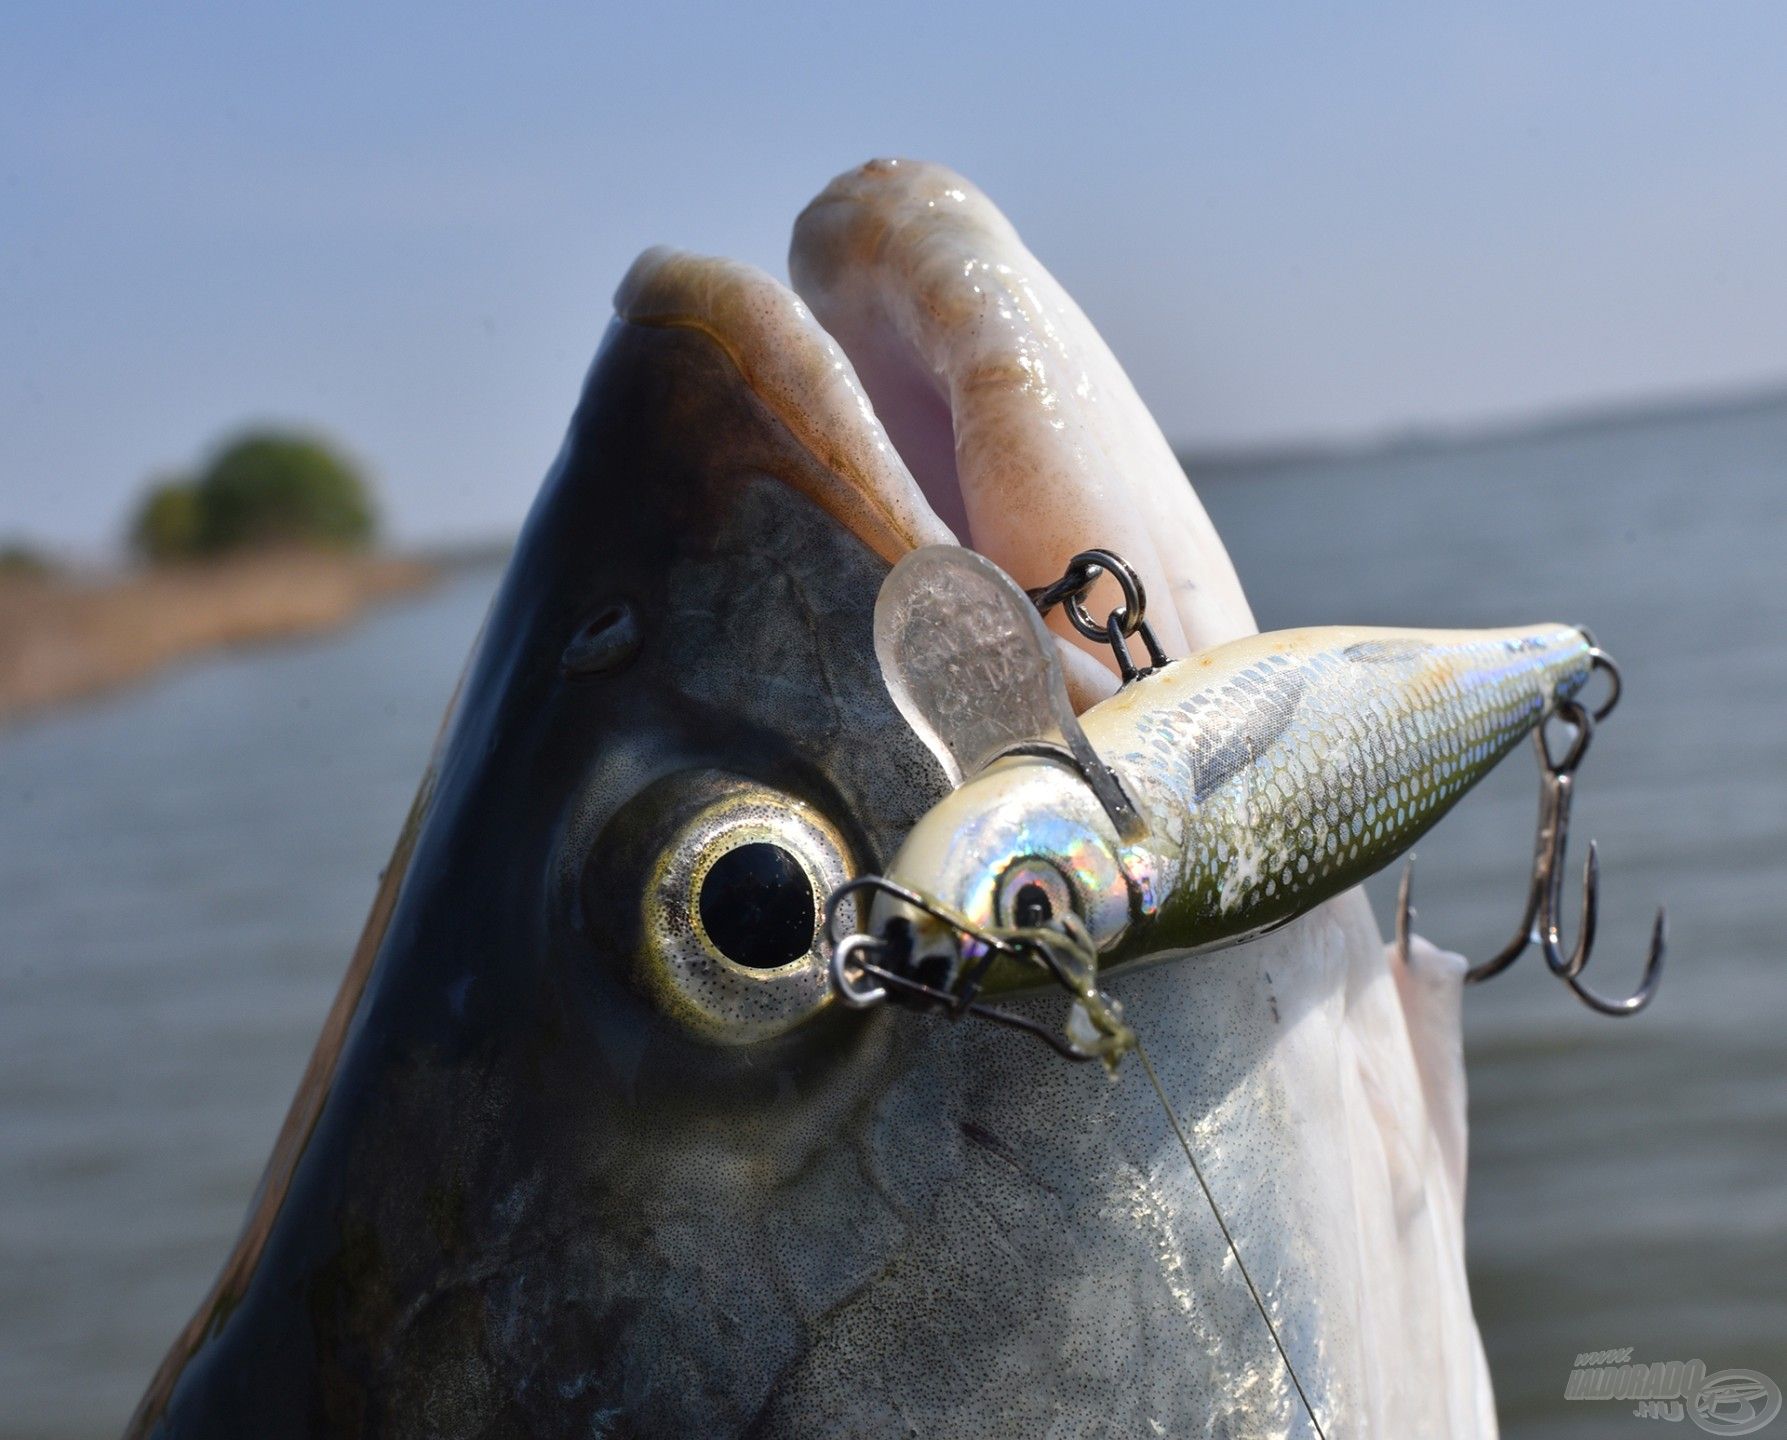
(588, 1047)
(588, 1146)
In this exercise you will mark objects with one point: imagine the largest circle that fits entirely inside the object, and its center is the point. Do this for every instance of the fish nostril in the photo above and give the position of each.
(606, 643)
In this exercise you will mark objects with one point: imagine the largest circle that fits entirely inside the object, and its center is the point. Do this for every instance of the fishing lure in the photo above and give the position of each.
(1209, 801)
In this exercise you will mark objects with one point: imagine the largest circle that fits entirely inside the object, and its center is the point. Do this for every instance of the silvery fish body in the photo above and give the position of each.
(1271, 774)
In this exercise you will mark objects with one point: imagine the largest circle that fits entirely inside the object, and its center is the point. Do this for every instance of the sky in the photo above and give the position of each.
(402, 223)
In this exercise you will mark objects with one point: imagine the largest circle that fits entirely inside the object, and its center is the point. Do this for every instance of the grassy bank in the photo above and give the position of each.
(63, 638)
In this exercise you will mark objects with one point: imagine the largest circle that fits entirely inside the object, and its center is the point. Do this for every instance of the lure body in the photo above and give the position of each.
(1270, 774)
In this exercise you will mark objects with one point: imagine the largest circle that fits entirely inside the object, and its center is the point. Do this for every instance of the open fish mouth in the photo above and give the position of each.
(581, 1152)
(962, 396)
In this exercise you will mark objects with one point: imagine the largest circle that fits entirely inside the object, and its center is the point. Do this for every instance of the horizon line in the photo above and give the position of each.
(1541, 422)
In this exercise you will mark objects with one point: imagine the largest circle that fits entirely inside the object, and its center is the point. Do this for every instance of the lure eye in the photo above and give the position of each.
(1032, 893)
(730, 939)
(1032, 906)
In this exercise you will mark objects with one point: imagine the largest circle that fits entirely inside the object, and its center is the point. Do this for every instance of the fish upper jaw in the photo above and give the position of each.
(805, 379)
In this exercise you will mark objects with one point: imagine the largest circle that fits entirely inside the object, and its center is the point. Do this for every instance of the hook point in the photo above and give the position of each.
(1404, 912)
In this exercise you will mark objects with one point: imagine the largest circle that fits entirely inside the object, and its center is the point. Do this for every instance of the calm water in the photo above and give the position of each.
(184, 869)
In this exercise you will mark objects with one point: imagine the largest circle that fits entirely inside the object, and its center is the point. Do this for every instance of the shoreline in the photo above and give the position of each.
(70, 638)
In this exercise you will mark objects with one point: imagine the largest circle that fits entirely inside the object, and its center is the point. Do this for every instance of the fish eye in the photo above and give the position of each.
(731, 941)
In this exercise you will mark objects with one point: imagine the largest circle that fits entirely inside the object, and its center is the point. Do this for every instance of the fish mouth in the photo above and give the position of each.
(956, 394)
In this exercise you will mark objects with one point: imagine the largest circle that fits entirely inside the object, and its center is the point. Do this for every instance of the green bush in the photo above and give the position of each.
(168, 523)
(24, 561)
(264, 488)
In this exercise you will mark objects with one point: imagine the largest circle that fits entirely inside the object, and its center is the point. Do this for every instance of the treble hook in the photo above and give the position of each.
(1544, 901)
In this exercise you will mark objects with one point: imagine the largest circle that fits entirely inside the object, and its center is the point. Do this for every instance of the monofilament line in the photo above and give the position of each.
(1222, 1225)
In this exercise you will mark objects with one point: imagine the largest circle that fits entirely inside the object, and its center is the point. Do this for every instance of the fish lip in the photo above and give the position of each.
(786, 358)
(810, 383)
(1045, 444)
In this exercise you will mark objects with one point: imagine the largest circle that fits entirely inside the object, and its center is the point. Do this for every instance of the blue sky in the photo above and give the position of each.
(403, 223)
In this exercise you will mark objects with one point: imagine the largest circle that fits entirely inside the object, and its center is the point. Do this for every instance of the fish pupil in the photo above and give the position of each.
(757, 906)
(1032, 906)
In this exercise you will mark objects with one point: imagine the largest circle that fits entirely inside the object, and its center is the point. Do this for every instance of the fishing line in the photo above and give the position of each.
(1222, 1225)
